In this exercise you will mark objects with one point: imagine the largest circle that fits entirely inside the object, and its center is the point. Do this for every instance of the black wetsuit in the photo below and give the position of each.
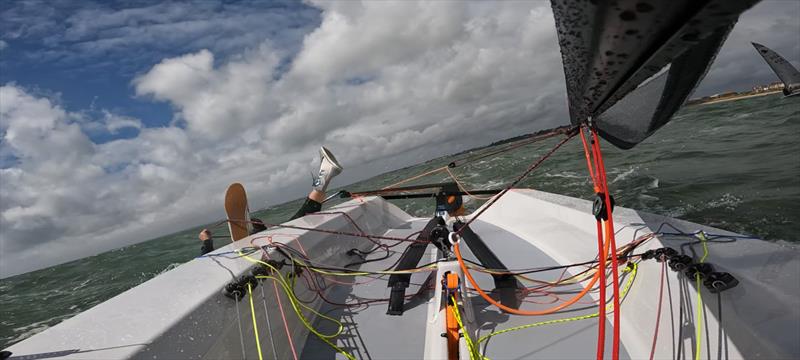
(207, 247)
(310, 206)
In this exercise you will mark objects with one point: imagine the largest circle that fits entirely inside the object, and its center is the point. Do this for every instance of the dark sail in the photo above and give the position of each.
(631, 64)
(784, 69)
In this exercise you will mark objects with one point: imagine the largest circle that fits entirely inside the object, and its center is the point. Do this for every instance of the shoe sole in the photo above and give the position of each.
(237, 211)
(332, 159)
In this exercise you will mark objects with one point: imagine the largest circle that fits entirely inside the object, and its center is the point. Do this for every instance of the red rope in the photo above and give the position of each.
(283, 317)
(515, 182)
(601, 269)
(605, 238)
(658, 311)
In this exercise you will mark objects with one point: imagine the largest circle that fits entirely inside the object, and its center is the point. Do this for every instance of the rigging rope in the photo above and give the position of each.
(606, 247)
(516, 181)
(269, 323)
(633, 269)
(239, 322)
(255, 325)
(699, 307)
(658, 310)
(474, 354)
(600, 181)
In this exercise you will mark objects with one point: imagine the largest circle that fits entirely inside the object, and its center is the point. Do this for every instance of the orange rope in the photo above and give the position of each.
(609, 240)
(589, 161)
(601, 323)
(551, 310)
(464, 189)
(415, 177)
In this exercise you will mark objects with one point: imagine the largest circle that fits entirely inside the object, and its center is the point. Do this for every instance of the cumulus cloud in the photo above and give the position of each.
(124, 34)
(383, 84)
(366, 83)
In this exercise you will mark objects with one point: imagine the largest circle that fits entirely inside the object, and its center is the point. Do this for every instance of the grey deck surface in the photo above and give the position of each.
(371, 334)
(568, 340)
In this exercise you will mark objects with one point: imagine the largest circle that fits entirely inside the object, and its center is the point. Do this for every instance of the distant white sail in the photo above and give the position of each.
(784, 69)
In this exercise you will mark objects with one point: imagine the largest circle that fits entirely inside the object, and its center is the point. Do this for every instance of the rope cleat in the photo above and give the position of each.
(719, 281)
(702, 269)
(234, 290)
(680, 262)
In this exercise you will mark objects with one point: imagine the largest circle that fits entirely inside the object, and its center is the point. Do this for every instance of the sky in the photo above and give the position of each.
(121, 121)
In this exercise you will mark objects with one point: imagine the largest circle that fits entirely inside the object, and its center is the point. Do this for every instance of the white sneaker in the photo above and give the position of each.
(328, 169)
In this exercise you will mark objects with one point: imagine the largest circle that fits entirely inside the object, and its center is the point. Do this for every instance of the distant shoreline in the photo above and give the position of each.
(734, 97)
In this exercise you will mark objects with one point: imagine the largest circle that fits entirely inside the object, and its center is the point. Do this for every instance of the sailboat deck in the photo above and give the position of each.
(183, 313)
(369, 333)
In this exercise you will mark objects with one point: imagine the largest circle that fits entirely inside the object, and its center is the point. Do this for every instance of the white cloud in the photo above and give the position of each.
(3, 45)
(75, 34)
(66, 197)
(391, 81)
(373, 81)
(114, 123)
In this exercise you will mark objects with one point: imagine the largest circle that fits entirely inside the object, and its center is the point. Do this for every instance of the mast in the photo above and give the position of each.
(784, 69)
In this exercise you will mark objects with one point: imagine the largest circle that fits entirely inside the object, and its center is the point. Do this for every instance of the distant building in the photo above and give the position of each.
(776, 86)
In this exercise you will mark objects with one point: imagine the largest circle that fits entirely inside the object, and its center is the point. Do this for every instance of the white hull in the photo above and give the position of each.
(182, 313)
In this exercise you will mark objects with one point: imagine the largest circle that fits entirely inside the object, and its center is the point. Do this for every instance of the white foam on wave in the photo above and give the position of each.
(727, 201)
(82, 285)
(566, 174)
(626, 174)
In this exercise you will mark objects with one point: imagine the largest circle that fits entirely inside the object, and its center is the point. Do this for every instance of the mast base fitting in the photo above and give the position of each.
(599, 209)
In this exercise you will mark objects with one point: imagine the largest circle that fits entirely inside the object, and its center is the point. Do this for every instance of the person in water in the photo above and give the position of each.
(329, 167)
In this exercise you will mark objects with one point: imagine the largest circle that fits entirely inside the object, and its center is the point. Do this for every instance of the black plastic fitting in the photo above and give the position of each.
(702, 269)
(599, 206)
(680, 262)
(234, 290)
(719, 281)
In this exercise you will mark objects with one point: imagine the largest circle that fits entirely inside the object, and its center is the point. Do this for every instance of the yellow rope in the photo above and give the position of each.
(255, 326)
(610, 307)
(473, 350)
(699, 310)
(297, 304)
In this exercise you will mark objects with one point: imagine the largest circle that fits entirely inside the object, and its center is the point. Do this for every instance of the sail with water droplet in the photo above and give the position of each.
(631, 64)
(784, 69)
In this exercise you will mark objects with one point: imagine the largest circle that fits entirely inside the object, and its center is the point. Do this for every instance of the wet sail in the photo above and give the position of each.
(784, 69)
(630, 64)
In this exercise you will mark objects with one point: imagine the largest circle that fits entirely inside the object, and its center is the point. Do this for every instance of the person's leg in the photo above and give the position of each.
(311, 205)
(328, 169)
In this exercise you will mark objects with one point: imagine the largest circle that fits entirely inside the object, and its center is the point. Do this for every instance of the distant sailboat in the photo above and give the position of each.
(784, 69)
